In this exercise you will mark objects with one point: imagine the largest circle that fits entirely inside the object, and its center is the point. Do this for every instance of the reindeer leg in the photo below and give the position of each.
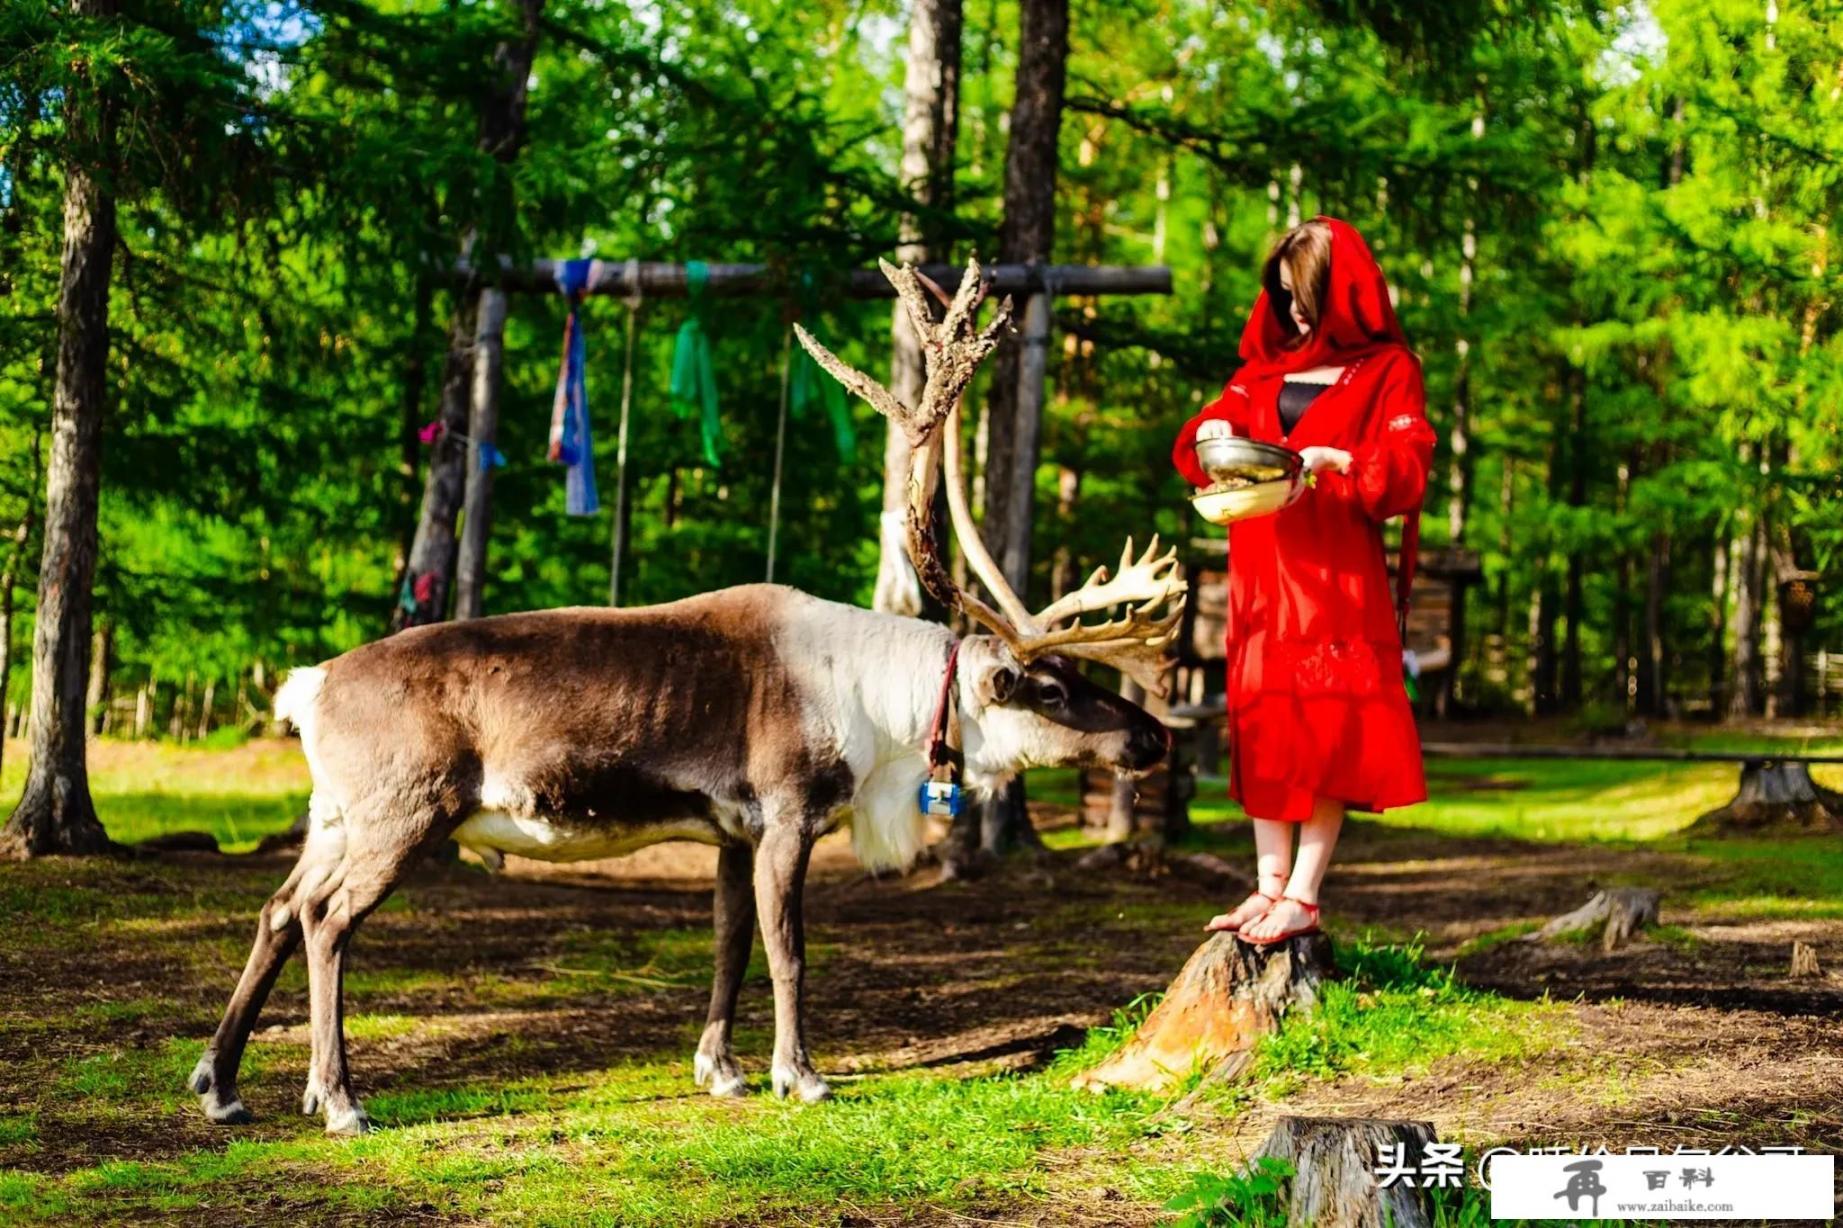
(278, 932)
(780, 876)
(376, 860)
(734, 908)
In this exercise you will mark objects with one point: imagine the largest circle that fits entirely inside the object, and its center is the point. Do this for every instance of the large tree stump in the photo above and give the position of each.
(1228, 995)
(1776, 795)
(1617, 914)
(1335, 1182)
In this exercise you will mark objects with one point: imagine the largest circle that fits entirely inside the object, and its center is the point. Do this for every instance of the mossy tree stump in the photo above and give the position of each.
(1336, 1182)
(1228, 995)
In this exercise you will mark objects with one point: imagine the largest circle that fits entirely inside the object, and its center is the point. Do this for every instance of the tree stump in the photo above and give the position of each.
(1775, 795)
(1804, 960)
(1228, 995)
(1617, 914)
(1335, 1183)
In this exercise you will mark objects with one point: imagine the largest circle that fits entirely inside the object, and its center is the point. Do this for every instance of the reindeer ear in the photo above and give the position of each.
(997, 682)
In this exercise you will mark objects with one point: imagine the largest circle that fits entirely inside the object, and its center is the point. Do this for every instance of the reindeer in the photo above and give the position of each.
(756, 718)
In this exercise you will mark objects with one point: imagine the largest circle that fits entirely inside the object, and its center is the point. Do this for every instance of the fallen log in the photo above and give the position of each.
(1336, 1182)
(1616, 914)
(1227, 996)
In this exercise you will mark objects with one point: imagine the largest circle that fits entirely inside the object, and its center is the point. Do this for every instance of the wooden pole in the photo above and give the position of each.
(482, 430)
(620, 458)
(655, 280)
(780, 447)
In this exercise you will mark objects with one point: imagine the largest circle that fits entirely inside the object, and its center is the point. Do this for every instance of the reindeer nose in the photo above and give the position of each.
(1150, 744)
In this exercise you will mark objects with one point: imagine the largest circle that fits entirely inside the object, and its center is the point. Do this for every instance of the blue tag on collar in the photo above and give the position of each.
(941, 797)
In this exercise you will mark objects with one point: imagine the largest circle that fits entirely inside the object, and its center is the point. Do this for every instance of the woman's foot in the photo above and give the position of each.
(1250, 908)
(1288, 918)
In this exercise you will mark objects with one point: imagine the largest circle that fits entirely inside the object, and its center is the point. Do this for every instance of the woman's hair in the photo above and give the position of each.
(1306, 250)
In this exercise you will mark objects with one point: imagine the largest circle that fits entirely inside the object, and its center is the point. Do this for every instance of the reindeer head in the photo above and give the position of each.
(1031, 703)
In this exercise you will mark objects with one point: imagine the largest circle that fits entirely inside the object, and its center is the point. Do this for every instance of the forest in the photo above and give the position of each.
(1609, 229)
(332, 329)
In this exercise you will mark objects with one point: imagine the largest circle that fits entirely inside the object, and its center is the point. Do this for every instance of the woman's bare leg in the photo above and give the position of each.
(1273, 849)
(1317, 840)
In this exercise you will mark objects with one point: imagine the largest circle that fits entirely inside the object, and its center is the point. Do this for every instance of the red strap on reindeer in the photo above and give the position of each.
(939, 755)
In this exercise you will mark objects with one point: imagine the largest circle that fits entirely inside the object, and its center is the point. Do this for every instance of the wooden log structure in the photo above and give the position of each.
(1227, 996)
(1335, 1163)
(480, 363)
(652, 279)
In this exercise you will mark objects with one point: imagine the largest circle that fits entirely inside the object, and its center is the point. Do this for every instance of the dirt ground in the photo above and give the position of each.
(1703, 1041)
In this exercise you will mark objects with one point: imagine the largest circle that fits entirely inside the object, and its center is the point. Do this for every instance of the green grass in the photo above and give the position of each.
(629, 1142)
(238, 792)
(1390, 1013)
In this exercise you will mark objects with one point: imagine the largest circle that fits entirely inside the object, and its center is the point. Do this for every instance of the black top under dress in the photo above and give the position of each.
(1295, 396)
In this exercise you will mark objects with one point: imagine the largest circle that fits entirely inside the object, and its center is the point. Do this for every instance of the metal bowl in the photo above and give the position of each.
(1234, 460)
(1247, 479)
(1220, 504)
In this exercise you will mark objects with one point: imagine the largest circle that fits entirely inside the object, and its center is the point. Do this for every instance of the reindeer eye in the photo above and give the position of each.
(1053, 693)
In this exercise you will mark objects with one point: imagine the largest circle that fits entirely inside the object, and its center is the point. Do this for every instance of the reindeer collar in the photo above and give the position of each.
(944, 753)
(940, 794)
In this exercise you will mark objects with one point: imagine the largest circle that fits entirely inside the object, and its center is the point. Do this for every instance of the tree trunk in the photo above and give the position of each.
(1653, 683)
(1745, 691)
(55, 813)
(930, 130)
(423, 597)
(1721, 569)
(1575, 601)
(1015, 408)
(482, 432)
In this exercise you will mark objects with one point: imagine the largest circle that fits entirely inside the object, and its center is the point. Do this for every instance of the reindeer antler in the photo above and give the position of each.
(1133, 642)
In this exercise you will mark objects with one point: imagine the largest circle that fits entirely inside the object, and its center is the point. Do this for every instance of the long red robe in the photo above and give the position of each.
(1317, 705)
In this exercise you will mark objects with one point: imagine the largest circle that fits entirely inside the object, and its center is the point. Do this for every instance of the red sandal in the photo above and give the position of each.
(1282, 936)
(1271, 901)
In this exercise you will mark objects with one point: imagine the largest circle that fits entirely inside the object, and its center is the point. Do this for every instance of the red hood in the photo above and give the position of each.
(1355, 317)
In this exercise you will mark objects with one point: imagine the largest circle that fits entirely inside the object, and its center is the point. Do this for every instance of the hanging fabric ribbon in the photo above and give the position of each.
(569, 412)
(694, 381)
(810, 386)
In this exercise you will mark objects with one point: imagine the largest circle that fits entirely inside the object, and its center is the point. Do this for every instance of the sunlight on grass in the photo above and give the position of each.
(238, 793)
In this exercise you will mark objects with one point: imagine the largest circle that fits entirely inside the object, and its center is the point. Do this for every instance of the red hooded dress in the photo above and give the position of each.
(1316, 701)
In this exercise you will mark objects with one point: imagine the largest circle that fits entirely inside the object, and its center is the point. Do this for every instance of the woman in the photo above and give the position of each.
(1318, 710)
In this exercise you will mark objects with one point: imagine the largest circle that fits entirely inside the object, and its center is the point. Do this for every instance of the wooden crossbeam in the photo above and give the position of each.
(618, 278)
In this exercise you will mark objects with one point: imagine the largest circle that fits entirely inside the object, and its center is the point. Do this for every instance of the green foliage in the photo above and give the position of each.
(1644, 334)
(1254, 1199)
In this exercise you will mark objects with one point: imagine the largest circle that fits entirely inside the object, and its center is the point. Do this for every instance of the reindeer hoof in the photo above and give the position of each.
(311, 1099)
(349, 1123)
(721, 1075)
(232, 1114)
(222, 1105)
(805, 1084)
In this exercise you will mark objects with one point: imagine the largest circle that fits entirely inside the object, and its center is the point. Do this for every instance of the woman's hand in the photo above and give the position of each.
(1215, 428)
(1317, 458)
